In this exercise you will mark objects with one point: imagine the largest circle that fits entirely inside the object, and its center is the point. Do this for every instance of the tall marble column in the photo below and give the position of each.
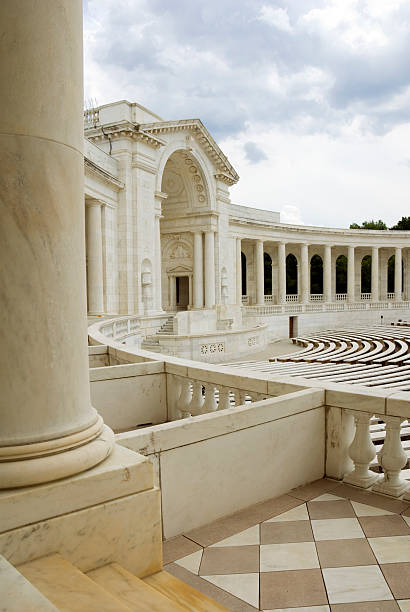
(198, 271)
(95, 277)
(260, 280)
(304, 260)
(375, 274)
(158, 259)
(351, 297)
(48, 428)
(398, 274)
(327, 274)
(209, 269)
(238, 272)
(281, 273)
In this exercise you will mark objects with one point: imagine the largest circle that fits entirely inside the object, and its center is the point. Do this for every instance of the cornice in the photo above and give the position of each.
(102, 174)
(124, 129)
(205, 140)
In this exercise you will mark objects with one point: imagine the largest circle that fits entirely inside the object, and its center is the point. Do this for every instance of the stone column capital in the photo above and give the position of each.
(94, 202)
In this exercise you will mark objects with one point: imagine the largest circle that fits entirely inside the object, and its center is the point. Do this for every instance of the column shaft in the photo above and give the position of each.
(260, 281)
(375, 274)
(398, 274)
(238, 272)
(350, 275)
(281, 273)
(209, 269)
(198, 271)
(327, 274)
(304, 276)
(95, 278)
(48, 428)
(158, 264)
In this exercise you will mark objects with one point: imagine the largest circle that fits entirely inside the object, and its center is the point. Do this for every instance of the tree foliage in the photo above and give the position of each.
(370, 225)
(403, 224)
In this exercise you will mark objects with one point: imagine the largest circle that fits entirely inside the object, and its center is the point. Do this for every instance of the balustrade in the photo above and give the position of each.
(316, 297)
(391, 296)
(193, 397)
(292, 297)
(268, 299)
(391, 457)
(341, 297)
(366, 296)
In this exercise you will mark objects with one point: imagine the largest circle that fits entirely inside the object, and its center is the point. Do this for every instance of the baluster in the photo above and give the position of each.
(210, 404)
(224, 398)
(362, 452)
(237, 396)
(242, 397)
(185, 398)
(173, 394)
(197, 400)
(392, 458)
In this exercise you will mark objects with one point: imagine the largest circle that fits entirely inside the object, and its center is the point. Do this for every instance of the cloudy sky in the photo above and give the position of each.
(310, 99)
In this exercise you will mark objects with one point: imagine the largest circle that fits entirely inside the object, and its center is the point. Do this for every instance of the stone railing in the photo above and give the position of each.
(366, 296)
(268, 299)
(340, 297)
(389, 457)
(91, 117)
(245, 300)
(391, 296)
(292, 297)
(191, 396)
(120, 329)
(296, 308)
(316, 297)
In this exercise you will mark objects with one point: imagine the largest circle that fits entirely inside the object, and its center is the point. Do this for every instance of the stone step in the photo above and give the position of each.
(132, 591)
(69, 589)
(187, 597)
(17, 594)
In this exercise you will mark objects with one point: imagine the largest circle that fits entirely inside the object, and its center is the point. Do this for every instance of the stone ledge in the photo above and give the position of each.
(123, 473)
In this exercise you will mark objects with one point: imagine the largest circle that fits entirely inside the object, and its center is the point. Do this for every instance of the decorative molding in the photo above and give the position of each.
(125, 129)
(102, 174)
(203, 137)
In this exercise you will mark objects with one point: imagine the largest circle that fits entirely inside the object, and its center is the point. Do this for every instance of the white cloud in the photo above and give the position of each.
(276, 17)
(291, 214)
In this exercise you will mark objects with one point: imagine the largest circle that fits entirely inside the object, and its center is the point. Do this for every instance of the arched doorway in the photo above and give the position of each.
(366, 274)
(316, 275)
(267, 271)
(341, 274)
(244, 273)
(291, 275)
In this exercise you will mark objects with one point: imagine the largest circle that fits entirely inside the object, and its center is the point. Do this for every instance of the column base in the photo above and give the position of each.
(364, 482)
(388, 489)
(32, 464)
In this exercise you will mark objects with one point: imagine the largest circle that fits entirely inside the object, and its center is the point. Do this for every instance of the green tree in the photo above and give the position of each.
(403, 224)
(370, 225)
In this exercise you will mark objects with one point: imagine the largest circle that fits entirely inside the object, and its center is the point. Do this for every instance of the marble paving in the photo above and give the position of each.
(325, 547)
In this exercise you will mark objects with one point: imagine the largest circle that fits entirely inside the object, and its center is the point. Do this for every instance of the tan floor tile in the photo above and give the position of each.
(404, 605)
(191, 562)
(302, 609)
(314, 489)
(372, 499)
(384, 526)
(330, 509)
(289, 531)
(294, 556)
(243, 586)
(355, 584)
(337, 529)
(345, 553)
(226, 599)
(176, 548)
(230, 560)
(391, 550)
(398, 579)
(299, 513)
(365, 510)
(291, 589)
(367, 606)
(228, 526)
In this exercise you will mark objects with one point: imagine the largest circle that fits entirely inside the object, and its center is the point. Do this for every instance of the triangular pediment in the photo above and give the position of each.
(179, 269)
(204, 139)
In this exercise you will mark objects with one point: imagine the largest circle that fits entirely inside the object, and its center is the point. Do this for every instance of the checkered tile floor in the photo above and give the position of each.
(323, 547)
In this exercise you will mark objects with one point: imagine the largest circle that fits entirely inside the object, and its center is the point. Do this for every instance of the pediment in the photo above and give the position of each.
(180, 269)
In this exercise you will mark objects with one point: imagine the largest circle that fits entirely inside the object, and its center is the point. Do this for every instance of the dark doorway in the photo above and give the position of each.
(182, 292)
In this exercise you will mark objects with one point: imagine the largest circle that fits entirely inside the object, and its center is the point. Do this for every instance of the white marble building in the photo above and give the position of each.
(164, 237)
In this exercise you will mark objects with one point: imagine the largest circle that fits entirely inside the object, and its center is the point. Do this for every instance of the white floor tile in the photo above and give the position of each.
(365, 510)
(395, 549)
(244, 538)
(243, 586)
(295, 556)
(356, 584)
(407, 519)
(191, 562)
(336, 529)
(299, 513)
(327, 497)
(404, 605)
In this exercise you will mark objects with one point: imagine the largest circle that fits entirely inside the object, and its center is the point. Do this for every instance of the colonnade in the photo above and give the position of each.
(304, 295)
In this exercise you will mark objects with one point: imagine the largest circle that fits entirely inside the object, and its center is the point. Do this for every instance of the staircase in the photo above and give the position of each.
(52, 584)
(168, 327)
(151, 343)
